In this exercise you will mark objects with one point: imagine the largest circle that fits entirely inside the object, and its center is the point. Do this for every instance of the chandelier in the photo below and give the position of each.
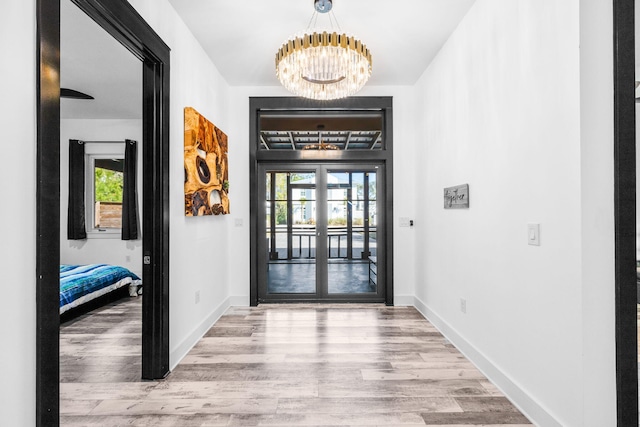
(323, 64)
(321, 145)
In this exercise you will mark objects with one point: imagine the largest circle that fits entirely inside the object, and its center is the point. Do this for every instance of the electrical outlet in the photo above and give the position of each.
(463, 305)
(238, 222)
(404, 222)
(197, 297)
(127, 258)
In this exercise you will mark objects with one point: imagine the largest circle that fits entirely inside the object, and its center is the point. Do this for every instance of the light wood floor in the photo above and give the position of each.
(279, 365)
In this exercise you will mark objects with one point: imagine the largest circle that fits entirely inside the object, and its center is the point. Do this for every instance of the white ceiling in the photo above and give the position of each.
(93, 62)
(242, 36)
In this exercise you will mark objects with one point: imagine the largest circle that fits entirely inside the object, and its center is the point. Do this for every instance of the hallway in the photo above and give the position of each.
(281, 365)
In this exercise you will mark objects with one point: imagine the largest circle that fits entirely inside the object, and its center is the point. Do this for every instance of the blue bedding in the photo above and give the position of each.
(82, 283)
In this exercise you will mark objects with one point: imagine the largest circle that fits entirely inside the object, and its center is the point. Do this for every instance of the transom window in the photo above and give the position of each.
(321, 130)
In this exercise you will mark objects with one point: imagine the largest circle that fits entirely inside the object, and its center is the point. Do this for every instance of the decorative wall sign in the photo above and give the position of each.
(206, 178)
(456, 197)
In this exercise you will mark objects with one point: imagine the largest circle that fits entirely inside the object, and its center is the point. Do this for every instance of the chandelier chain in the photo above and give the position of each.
(331, 14)
(313, 22)
(314, 15)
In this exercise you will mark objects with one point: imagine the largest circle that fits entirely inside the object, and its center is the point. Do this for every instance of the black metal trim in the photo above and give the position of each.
(257, 104)
(625, 213)
(321, 294)
(122, 21)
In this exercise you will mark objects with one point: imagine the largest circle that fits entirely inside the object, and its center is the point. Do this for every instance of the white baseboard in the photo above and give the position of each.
(518, 396)
(403, 300)
(181, 350)
(239, 301)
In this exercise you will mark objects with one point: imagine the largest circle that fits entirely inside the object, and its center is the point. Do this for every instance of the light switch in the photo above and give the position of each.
(533, 234)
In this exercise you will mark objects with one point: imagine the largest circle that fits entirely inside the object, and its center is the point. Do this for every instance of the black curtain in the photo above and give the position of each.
(75, 213)
(129, 192)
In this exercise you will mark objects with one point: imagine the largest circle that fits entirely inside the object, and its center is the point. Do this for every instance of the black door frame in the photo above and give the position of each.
(122, 21)
(322, 256)
(625, 212)
(385, 156)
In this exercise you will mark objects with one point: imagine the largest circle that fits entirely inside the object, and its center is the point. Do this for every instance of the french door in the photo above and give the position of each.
(323, 232)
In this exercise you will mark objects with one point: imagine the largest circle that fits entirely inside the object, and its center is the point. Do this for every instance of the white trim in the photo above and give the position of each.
(239, 301)
(404, 300)
(182, 349)
(514, 392)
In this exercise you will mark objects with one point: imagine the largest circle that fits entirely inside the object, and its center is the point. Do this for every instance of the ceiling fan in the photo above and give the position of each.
(73, 94)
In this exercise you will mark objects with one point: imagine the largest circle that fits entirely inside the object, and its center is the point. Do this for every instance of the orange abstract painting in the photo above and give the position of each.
(206, 177)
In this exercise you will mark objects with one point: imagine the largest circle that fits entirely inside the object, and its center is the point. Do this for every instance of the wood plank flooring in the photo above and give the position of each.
(279, 365)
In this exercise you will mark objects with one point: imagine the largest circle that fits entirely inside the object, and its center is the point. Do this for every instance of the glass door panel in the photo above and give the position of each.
(320, 228)
(350, 207)
(291, 232)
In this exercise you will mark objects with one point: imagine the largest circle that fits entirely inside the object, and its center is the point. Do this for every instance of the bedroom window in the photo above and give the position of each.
(104, 186)
(103, 190)
(108, 180)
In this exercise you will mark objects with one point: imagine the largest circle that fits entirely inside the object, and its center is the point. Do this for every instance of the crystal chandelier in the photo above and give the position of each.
(323, 64)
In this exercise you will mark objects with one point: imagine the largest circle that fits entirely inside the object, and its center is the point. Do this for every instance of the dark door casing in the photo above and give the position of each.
(625, 212)
(384, 156)
(122, 21)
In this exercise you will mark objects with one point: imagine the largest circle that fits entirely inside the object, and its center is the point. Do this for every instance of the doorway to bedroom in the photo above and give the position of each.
(121, 21)
(100, 199)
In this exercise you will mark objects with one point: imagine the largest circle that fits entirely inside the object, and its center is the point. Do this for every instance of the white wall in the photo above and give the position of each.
(127, 253)
(501, 112)
(404, 185)
(596, 134)
(18, 216)
(199, 248)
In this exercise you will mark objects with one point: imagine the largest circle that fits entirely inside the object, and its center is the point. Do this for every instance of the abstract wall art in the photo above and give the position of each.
(206, 176)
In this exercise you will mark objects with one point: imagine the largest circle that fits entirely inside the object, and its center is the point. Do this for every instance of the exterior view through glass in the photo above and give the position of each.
(321, 231)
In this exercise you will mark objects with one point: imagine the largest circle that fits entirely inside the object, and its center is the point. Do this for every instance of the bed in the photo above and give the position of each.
(80, 284)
